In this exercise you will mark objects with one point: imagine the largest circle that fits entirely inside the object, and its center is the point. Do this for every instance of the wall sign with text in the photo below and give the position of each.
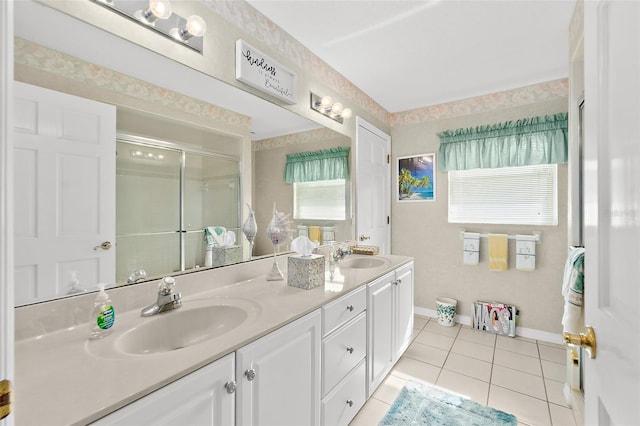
(263, 73)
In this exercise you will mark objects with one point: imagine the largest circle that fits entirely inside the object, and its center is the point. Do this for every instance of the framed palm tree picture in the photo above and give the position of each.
(416, 178)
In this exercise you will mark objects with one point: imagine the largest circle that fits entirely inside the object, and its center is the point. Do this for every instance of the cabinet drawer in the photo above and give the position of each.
(336, 409)
(342, 310)
(342, 351)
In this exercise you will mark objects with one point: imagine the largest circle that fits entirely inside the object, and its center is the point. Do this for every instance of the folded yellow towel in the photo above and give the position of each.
(498, 252)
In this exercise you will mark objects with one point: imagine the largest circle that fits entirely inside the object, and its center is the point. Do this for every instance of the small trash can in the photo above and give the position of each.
(446, 310)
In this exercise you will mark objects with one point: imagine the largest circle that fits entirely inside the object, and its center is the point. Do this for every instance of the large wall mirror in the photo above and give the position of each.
(175, 173)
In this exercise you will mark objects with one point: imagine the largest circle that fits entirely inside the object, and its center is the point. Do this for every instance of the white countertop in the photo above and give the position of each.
(63, 378)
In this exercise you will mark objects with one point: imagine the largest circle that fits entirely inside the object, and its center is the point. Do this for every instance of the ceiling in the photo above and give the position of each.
(411, 54)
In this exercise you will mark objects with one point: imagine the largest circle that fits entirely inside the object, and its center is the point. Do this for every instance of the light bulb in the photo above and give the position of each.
(196, 26)
(336, 108)
(158, 9)
(161, 9)
(346, 113)
(326, 102)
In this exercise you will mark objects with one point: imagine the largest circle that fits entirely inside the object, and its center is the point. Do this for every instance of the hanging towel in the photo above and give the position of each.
(526, 252)
(498, 252)
(214, 235)
(471, 248)
(572, 291)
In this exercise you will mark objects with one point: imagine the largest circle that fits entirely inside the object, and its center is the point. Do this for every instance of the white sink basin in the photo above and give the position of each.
(181, 328)
(363, 262)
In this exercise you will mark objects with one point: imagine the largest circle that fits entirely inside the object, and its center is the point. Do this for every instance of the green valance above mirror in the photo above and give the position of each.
(309, 166)
(525, 142)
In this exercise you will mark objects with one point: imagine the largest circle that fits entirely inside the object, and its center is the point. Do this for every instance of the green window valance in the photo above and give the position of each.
(326, 164)
(526, 142)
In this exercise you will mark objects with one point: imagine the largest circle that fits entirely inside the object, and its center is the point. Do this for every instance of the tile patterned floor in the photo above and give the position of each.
(518, 375)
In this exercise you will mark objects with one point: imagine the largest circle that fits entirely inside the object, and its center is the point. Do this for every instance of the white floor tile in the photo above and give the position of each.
(518, 375)
(517, 361)
(389, 389)
(551, 344)
(477, 336)
(419, 322)
(561, 416)
(430, 338)
(371, 414)
(408, 369)
(468, 366)
(553, 354)
(473, 350)
(474, 389)
(528, 410)
(429, 354)
(518, 381)
(434, 327)
(555, 392)
(520, 346)
(554, 371)
(524, 339)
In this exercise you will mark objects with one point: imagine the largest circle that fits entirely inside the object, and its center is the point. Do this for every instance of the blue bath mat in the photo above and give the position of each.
(419, 404)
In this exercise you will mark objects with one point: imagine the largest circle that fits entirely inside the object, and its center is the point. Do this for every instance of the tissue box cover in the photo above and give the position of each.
(222, 256)
(305, 271)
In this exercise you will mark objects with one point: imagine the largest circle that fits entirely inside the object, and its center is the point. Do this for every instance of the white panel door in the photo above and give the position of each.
(373, 186)
(278, 376)
(404, 309)
(6, 200)
(380, 329)
(64, 185)
(612, 210)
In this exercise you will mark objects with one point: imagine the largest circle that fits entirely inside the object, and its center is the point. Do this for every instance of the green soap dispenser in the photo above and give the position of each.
(103, 315)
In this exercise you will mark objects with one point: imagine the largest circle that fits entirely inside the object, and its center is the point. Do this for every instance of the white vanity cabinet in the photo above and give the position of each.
(344, 349)
(204, 397)
(278, 376)
(318, 369)
(389, 322)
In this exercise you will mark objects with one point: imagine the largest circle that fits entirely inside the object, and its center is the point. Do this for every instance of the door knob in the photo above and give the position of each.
(104, 246)
(364, 237)
(587, 341)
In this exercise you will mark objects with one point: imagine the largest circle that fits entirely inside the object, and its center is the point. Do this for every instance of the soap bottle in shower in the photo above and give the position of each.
(103, 315)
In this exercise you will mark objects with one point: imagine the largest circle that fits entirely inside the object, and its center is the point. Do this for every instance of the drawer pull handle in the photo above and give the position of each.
(350, 350)
(349, 403)
(350, 308)
(250, 374)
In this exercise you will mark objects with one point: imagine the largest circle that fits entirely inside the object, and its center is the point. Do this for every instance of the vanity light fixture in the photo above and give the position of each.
(326, 106)
(144, 155)
(157, 15)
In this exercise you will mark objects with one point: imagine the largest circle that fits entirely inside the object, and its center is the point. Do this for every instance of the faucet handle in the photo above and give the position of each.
(166, 285)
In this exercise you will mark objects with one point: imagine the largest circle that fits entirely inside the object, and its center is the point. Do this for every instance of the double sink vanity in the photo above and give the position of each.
(240, 350)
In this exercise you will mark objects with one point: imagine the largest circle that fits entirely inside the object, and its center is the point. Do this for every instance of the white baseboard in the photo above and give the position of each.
(530, 333)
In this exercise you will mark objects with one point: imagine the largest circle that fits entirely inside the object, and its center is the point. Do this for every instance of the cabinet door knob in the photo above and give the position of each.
(350, 350)
(231, 386)
(250, 374)
(350, 308)
(350, 402)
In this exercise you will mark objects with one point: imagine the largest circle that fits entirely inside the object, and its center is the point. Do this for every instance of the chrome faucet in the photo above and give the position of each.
(167, 299)
(136, 275)
(338, 254)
